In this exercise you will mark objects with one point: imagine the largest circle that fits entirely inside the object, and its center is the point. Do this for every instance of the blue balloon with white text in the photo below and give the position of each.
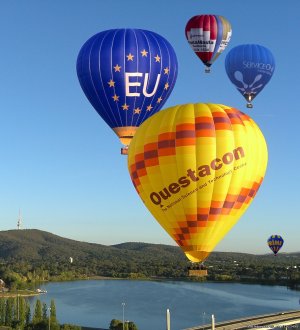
(127, 75)
(250, 67)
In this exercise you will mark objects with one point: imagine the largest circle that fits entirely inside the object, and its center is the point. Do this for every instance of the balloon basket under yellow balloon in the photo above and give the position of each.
(197, 269)
(198, 272)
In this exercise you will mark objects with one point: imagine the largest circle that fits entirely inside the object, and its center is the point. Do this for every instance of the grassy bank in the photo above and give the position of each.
(20, 293)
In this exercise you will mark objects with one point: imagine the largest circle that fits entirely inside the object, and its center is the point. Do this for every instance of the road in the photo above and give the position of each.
(283, 320)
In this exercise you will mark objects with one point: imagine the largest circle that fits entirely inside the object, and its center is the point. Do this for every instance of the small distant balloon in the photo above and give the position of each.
(127, 75)
(275, 243)
(208, 36)
(250, 67)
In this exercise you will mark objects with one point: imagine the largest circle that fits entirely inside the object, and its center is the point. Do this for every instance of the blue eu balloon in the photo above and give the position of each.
(249, 67)
(127, 75)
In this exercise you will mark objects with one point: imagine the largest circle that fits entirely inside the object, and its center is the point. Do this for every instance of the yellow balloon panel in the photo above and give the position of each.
(197, 168)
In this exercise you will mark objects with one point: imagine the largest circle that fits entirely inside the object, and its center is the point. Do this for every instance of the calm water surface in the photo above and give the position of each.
(96, 303)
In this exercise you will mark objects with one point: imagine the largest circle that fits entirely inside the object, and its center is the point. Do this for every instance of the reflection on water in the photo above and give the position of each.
(96, 303)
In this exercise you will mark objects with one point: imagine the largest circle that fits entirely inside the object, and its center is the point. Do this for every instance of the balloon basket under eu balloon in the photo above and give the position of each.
(124, 151)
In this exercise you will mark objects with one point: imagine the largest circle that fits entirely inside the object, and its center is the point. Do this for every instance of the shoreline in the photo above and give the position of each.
(29, 293)
(22, 293)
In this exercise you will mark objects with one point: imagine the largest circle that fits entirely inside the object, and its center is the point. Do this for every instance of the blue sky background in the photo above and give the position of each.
(61, 164)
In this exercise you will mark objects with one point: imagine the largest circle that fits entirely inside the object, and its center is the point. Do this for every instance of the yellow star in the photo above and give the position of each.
(137, 110)
(111, 83)
(166, 70)
(159, 100)
(116, 98)
(166, 86)
(117, 68)
(157, 58)
(149, 107)
(125, 106)
(144, 53)
(130, 57)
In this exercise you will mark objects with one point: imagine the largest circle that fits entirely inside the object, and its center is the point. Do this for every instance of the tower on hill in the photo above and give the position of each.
(19, 223)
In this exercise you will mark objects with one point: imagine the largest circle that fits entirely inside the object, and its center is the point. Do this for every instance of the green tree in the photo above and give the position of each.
(131, 326)
(53, 311)
(44, 312)
(22, 312)
(116, 325)
(53, 320)
(9, 311)
(2, 310)
(37, 316)
(27, 314)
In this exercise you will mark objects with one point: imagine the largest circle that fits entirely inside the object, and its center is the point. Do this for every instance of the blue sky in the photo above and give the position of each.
(61, 164)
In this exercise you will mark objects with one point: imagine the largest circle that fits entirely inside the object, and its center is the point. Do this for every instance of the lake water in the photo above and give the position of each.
(95, 303)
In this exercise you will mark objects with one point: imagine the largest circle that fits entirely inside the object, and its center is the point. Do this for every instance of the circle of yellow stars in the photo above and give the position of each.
(117, 68)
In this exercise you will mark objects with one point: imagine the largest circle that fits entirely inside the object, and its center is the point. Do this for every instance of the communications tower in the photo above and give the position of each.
(19, 223)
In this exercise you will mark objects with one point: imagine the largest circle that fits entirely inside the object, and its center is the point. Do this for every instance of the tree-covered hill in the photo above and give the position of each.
(39, 255)
(28, 255)
(35, 245)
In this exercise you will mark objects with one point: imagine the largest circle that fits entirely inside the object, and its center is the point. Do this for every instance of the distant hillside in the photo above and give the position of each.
(36, 245)
(33, 255)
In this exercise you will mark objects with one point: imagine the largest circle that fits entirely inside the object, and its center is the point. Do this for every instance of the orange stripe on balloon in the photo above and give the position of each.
(223, 126)
(186, 142)
(235, 119)
(138, 158)
(203, 119)
(166, 152)
(185, 127)
(202, 224)
(142, 172)
(152, 162)
(191, 217)
(166, 136)
(205, 133)
(216, 204)
(213, 217)
(150, 146)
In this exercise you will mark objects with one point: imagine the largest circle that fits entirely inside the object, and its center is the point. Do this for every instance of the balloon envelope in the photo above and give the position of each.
(275, 243)
(197, 168)
(208, 36)
(127, 75)
(249, 67)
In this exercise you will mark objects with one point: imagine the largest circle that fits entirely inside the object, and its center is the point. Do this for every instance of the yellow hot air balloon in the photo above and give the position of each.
(197, 168)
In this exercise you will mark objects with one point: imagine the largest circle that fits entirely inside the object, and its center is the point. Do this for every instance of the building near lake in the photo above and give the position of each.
(2, 286)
